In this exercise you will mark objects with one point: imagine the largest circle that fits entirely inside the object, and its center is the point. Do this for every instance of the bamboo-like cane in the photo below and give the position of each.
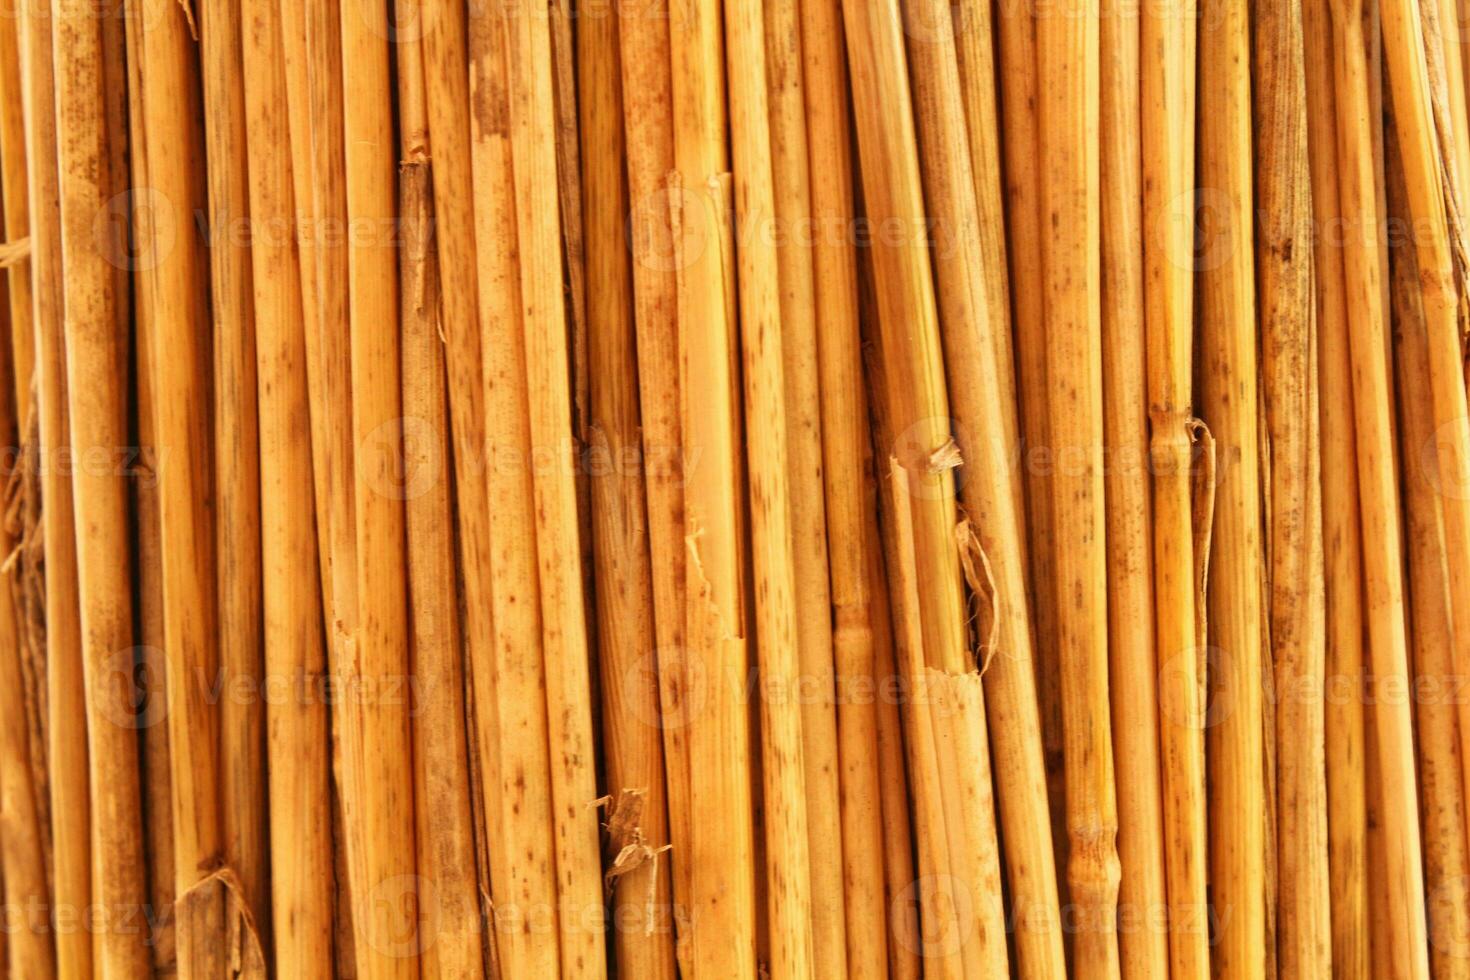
(296, 730)
(898, 854)
(1427, 159)
(1454, 18)
(237, 466)
(25, 774)
(953, 867)
(518, 772)
(648, 124)
(1019, 106)
(917, 404)
(574, 275)
(1168, 169)
(25, 570)
(845, 440)
(974, 40)
(1288, 848)
(1402, 887)
(1347, 860)
(796, 240)
(180, 390)
(478, 797)
(943, 920)
(1296, 612)
(25, 850)
(1444, 31)
(455, 121)
(1373, 44)
(311, 35)
(156, 771)
(547, 369)
(908, 318)
(449, 899)
(567, 142)
(151, 693)
(722, 847)
(1440, 785)
(788, 881)
(13, 187)
(311, 39)
(975, 363)
(906, 742)
(99, 493)
(891, 620)
(24, 519)
(1143, 946)
(1446, 51)
(373, 723)
(121, 142)
(643, 939)
(1230, 401)
(1381, 943)
(66, 748)
(30, 951)
(574, 280)
(452, 131)
(1067, 57)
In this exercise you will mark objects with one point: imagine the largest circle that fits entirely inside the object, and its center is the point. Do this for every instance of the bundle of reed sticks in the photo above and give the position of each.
(735, 488)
